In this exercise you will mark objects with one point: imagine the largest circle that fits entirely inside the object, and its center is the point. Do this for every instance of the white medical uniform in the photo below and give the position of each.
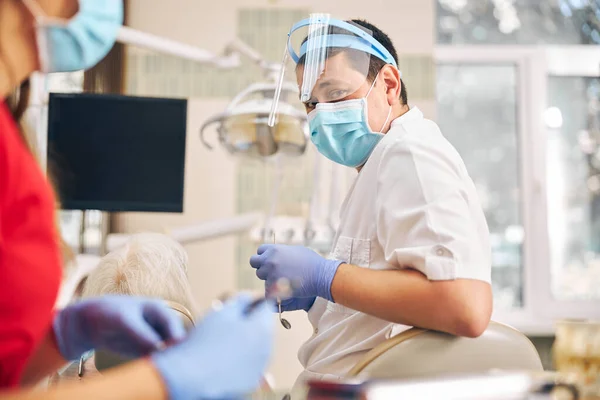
(412, 204)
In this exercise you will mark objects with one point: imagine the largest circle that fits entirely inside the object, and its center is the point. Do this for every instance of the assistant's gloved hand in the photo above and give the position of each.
(223, 357)
(297, 303)
(311, 273)
(128, 326)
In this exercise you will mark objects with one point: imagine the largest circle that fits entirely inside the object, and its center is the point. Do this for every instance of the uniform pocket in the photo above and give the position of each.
(343, 249)
(353, 251)
(361, 252)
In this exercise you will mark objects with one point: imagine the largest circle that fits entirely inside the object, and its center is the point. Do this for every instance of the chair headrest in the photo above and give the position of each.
(184, 313)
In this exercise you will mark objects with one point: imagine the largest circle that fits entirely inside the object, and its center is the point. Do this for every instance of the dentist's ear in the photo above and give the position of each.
(391, 77)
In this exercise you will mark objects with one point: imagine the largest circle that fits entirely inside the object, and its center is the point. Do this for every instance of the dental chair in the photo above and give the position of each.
(422, 353)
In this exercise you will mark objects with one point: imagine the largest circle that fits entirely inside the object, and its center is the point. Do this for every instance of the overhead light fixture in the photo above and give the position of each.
(243, 127)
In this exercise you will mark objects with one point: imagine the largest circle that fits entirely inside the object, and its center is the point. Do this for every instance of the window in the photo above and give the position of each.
(524, 22)
(573, 183)
(477, 112)
(526, 122)
(520, 101)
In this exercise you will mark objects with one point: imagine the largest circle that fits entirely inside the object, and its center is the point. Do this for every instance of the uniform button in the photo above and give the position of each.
(440, 252)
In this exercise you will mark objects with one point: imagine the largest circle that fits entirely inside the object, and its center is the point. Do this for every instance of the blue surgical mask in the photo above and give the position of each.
(341, 131)
(80, 42)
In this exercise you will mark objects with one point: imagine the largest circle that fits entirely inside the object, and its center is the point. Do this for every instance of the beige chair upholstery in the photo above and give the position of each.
(418, 353)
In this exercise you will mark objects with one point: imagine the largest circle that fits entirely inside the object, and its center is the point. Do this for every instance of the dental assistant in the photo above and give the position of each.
(412, 248)
(35, 340)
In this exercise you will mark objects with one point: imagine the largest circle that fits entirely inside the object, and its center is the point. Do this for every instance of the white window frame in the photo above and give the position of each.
(534, 65)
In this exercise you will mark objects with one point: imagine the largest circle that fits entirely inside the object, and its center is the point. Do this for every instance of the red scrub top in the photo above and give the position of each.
(30, 263)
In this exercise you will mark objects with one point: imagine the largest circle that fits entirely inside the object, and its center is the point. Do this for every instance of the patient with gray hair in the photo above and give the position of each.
(149, 265)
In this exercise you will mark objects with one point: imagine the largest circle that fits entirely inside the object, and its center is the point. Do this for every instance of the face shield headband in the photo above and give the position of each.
(363, 41)
(324, 34)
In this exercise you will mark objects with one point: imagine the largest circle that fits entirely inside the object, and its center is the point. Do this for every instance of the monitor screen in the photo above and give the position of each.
(117, 153)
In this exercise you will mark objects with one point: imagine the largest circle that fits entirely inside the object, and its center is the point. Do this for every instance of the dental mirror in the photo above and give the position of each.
(284, 322)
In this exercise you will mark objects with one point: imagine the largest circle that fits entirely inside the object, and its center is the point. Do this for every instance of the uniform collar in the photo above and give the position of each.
(413, 114)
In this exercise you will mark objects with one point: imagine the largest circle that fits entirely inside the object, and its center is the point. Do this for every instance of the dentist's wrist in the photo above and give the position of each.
(327, 271)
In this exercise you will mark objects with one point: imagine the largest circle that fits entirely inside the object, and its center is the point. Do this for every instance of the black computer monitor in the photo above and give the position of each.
(117, 153)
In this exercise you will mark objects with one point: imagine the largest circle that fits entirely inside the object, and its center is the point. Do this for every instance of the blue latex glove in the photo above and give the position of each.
(296, 303)
(223, 357)
(311, 273)
(129, 326)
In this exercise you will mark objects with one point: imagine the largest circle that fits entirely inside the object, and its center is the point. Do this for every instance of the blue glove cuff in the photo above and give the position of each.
(308, 303)
(295, 303)
(327, 272)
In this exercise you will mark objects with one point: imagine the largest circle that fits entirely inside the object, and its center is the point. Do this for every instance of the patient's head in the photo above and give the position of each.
(150, 264)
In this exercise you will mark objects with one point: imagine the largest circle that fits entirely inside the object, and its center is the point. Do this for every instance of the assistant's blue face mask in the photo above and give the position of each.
(341, 131)
(78, 43)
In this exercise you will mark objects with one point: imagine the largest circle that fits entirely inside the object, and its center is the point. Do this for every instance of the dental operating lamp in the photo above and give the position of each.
(243, 127)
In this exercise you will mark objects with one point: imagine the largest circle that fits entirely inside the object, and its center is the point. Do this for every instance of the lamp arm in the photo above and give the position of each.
(231, 59)
(127, 35)
(240, 47)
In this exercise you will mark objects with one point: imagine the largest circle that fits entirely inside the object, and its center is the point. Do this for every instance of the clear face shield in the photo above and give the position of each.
(329, 59)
